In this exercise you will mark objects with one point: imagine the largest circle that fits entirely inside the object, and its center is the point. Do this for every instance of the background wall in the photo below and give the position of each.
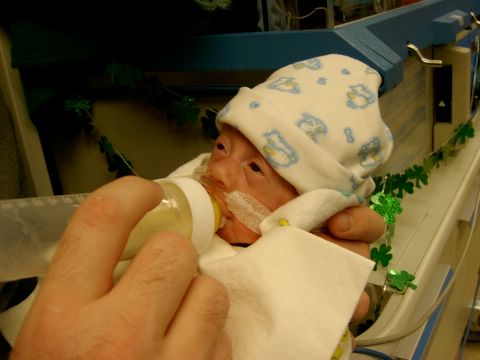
(154, 144)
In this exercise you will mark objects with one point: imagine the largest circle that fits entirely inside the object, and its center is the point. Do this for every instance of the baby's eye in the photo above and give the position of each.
(255, 168)
(219, 146)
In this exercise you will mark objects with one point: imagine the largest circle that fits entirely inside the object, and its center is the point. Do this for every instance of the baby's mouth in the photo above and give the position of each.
(245, 208)
(216, 192)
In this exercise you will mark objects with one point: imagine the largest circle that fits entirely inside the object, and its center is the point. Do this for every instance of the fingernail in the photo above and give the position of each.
(344, 222)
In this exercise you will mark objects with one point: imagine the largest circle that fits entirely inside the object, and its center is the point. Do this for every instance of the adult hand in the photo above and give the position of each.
(354, 228)
(159, 309)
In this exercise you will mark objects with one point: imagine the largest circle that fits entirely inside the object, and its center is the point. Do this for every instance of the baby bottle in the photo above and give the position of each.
(32, 227)
(187, 208)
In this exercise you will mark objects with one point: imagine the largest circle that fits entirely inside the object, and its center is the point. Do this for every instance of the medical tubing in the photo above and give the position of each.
(436, 304)
(373, 353)
(32, 227)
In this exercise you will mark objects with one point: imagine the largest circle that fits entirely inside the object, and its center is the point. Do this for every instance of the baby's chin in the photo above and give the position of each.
(235, 233)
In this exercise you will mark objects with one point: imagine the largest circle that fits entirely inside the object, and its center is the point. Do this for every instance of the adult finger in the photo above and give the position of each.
(361, 309)
(197, 330)
(96, 235)
(153, 286)
(359, 247)
(223, 350)
(357, 223)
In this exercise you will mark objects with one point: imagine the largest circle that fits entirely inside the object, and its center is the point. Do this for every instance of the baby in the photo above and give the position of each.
(301, 146)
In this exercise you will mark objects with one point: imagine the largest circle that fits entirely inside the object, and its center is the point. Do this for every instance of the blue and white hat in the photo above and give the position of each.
(317, 122)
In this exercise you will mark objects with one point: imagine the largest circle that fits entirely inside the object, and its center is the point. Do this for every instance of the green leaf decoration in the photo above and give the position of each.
(116, 162)
(81, 107)
(402, 183)
(447, 150)
(185, 110)
(437, 158)
(78, 114)
(381, 255)
(105, 145)
(400, 280)
(387, 206)
(125, 75)
(182, 109)
(463, 132)
(428, 165)
(212, 5)
(418, 174)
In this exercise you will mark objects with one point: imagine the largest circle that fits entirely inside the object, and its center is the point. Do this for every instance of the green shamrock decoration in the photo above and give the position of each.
(447, 150)
(81, 107)
(419, 174)
(463, 132)
(428, 165)
(400, 280)
(381, 255)
(212, 5)
(116, 162)
(185, 110)
(387, 206)
(81, 110)
(125, 75)
(401, 182)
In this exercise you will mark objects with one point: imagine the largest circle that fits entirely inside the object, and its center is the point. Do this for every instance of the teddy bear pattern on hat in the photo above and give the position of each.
(317, 122)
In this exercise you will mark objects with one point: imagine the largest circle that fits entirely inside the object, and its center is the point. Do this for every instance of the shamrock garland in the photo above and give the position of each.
(391, 189)
(211, 5)
(417, 175)
(381, 255)
(182, 109)
(387, 206)
(116, 161)
(401, 280)
(185, 110)
(81, 109)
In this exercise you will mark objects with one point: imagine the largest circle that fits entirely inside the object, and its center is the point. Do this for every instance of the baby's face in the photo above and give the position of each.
(236, 164)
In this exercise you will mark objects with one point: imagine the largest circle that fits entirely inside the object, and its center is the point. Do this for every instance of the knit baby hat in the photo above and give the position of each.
(317, 122)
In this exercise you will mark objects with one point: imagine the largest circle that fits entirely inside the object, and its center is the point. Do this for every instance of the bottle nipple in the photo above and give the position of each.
(217, 210)
(245, 208)
(214, 192)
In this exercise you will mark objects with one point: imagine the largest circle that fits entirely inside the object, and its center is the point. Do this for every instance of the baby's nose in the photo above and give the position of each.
(224, 175)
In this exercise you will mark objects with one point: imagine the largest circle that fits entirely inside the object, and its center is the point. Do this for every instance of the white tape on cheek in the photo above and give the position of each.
(246, 209)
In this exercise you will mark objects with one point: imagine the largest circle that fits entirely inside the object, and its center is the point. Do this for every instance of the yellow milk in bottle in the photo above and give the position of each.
(187, 208)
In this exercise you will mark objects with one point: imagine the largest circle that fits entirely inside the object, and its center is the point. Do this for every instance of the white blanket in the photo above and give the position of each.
(292, 293)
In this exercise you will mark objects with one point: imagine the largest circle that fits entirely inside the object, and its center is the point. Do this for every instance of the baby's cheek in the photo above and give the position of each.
(234, 232)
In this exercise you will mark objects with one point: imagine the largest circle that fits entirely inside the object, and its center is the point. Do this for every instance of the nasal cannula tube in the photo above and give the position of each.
(32, 227)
